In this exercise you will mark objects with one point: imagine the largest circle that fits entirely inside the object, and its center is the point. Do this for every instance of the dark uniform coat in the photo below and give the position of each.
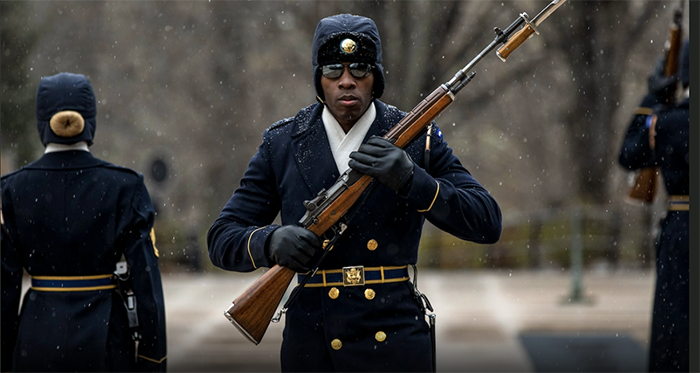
(365, 328)
(670, 326)
(71, 214)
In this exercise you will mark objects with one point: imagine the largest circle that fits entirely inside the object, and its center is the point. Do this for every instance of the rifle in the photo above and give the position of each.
(646, 180)
(328, 214)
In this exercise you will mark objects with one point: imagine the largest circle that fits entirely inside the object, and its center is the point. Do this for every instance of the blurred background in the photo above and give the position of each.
(186, 88)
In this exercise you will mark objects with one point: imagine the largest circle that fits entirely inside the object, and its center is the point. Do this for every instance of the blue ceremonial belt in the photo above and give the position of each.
(73, 283)
(679, 203)
(355, 276)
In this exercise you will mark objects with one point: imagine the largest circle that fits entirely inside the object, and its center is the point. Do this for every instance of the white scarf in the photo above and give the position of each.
(341, 143)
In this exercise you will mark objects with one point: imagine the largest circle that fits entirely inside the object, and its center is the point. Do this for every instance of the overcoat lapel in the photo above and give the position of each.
(380, 128)
(312, 152)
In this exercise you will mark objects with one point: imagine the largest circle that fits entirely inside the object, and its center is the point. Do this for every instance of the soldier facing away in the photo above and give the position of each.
(68, 219)
(658, 136)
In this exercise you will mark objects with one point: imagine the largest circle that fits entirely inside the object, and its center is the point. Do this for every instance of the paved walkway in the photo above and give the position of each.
(481, 317)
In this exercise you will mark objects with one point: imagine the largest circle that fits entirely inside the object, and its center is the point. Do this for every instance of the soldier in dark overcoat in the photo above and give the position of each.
(337, 322)
(658, 136)
(68, 219)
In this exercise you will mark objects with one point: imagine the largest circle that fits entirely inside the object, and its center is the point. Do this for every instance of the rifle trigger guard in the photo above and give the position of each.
(333, 234)
(525, 18)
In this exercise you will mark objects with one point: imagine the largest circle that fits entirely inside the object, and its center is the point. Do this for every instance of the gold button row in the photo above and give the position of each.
(336, 344)
(333, 293)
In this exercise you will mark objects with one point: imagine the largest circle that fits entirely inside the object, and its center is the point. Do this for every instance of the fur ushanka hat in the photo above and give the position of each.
(65, 109)
(347, 38)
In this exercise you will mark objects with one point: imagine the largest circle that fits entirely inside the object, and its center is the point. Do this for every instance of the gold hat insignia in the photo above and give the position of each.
(348, 46)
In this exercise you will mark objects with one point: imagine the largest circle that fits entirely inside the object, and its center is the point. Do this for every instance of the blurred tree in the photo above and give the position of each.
(16, 91)
(195, 84)
(597, 61)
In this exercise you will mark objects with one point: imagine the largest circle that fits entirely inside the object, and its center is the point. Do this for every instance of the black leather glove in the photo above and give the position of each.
(661, 86)
(293, 247)
(385, 162)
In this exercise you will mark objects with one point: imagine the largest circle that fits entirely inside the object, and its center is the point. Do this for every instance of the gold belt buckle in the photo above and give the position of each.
(354, 276)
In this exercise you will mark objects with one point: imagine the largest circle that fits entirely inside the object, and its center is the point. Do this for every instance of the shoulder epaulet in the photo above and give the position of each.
(28, 165)
(302, 116)
(115, 167)
(9, 174)
(281, 123)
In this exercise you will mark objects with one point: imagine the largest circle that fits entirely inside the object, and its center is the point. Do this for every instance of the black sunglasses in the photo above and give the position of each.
(357, 70)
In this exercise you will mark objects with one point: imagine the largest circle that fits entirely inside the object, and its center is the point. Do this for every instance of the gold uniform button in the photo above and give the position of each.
(336, 344)
(380, 337)
(369, 294)
(333, 293)
(372, 244)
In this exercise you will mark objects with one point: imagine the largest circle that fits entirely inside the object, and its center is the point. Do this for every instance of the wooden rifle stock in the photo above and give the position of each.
(674, 44)
(252, 311)
(646, 183)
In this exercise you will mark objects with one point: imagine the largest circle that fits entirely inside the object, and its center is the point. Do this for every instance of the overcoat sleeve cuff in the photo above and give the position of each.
(256, 246)
(424, 190)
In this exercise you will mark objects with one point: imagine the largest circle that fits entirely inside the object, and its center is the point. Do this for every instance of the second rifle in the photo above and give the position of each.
(646, 179)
